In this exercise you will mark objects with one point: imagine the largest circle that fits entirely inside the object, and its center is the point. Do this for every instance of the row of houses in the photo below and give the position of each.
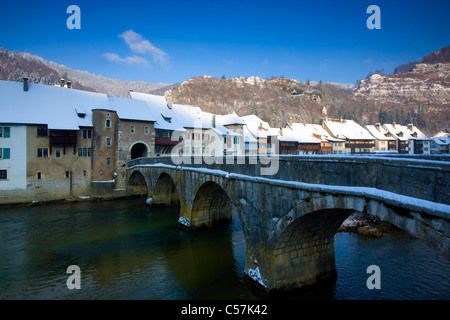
(58, 142)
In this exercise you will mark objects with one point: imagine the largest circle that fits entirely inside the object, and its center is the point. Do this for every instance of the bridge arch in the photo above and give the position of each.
(302, 240)
(165, 192)
(137, 184)
(304, 252)
(211, 206)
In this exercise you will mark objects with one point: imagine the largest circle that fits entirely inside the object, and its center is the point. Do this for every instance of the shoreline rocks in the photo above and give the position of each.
(366, 225)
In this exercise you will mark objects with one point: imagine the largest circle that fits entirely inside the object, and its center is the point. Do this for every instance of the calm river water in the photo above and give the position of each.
(127, 251)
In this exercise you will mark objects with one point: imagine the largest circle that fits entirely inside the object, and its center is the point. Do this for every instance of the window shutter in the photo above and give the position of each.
(6, 132)
(6, 153)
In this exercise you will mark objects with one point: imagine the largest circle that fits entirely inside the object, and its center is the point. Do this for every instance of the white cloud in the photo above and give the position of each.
(368, 61)
(138, 44)
(132, 60)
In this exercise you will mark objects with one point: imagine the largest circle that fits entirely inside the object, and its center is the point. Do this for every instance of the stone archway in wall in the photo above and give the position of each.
(139, 149)
(211, 206)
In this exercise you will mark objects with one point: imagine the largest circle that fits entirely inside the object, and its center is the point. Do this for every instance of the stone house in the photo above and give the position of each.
(57, 142)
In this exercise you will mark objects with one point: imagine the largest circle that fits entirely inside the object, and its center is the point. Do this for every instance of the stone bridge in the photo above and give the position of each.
(289, 217)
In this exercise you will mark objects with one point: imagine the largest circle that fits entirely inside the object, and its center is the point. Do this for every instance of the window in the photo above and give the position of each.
(87, 133)
(5, 153)
(108, 141)
(58, 153)
(39, 175)
(132, 129)
(42, 152)
(42, 132)
(67, 174)
(108, 161)
(146, 130)
(3, 174)
(84, 152)
(108, 123)
(84, 173)
(5, 132)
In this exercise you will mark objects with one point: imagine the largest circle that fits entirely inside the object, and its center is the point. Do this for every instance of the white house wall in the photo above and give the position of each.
(16, 166)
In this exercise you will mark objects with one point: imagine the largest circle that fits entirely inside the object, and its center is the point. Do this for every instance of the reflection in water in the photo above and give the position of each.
(127, 251)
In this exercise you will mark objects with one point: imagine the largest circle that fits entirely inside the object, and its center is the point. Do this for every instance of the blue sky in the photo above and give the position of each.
(171, 41)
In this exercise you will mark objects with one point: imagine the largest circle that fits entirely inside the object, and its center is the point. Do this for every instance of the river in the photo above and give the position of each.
(127, 251)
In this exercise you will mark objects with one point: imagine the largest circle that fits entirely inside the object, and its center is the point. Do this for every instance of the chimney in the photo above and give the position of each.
(129, 93)
(410, 127)
(69, 84)
(25, 84)
(168, 96)
(281, 131)
(341, 119)
(290, 121)
(61, 82)
(260, 126)
(394, 125)
(378, 126)
(214, 120)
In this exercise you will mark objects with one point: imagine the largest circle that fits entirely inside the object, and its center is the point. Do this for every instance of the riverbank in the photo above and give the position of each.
(33, 203)
(366, 225)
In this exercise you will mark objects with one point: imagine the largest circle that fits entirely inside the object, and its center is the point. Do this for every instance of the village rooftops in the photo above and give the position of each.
(258, 127)
(380, 133)
(347, 129)
(171, 116)
(129, 109)
(62, 108)
(317, 129)
(404, 133)
(302, 132)
(229, 119)
(58, 107)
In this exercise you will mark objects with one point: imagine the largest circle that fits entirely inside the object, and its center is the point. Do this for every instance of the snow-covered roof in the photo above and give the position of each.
(177, 117)
(59, 108)
(166, 118)
(302, 132)
(248, 136)
(347, 129)
(405, 133)
(130, 109)
(378, 132)
(229, 119)
(324, 134)
(254, 123)
(62, 108)
(442, 141)
(416, 133)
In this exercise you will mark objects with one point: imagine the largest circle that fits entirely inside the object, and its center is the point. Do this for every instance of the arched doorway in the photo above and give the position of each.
(139, 150)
